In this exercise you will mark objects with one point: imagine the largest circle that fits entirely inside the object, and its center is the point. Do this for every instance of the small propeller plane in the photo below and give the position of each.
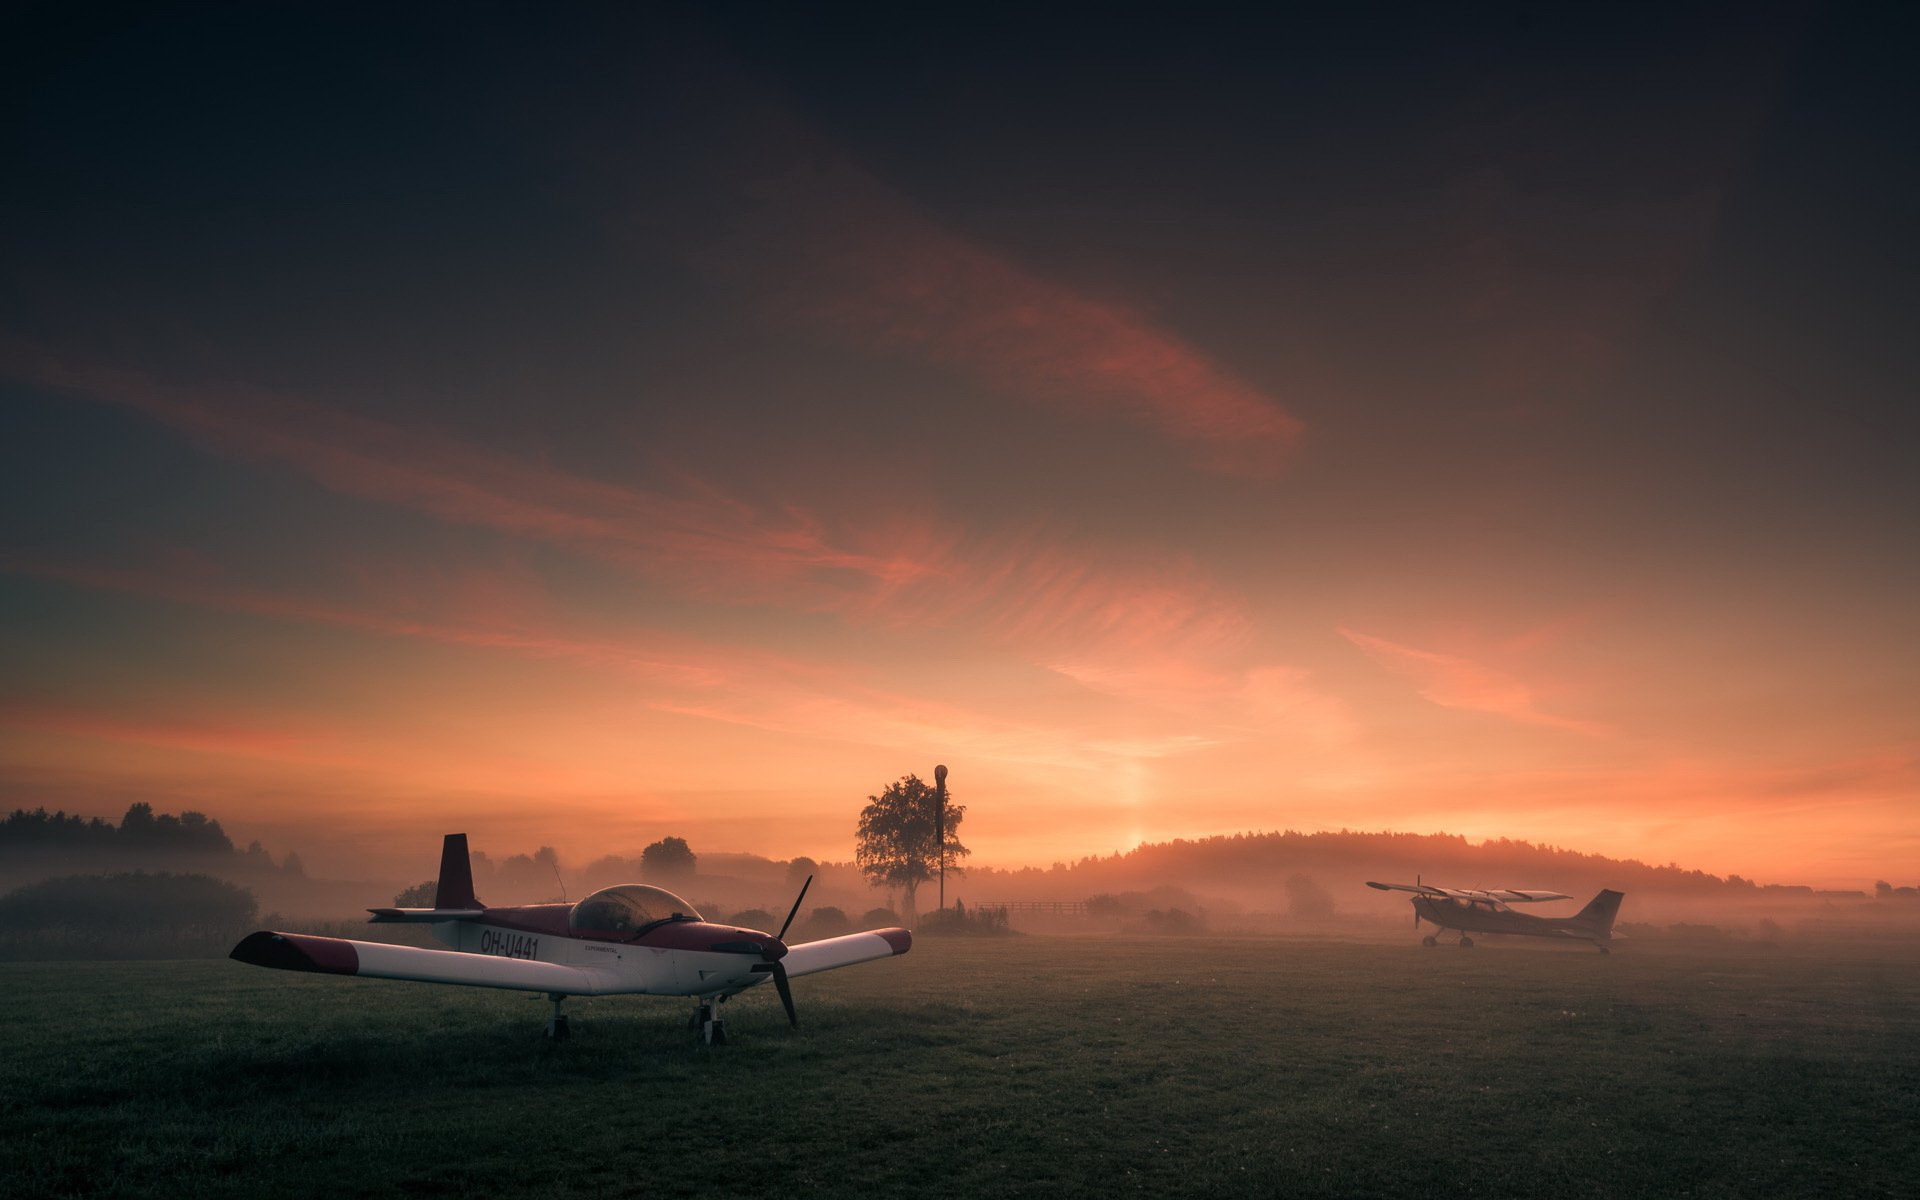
(634, 938)
(1480, 910)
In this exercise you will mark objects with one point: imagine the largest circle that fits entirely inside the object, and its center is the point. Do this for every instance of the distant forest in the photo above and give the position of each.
(1265, 860)
(141, 833)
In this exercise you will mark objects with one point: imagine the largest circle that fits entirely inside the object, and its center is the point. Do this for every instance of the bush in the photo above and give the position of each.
(879, 918)
(826, 922)
(128, 915)
(960, 919)
(755, 918)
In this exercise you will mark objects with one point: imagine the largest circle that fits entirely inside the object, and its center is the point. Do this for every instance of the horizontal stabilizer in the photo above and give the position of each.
(846, 951)
(422, 916)
(378, 960)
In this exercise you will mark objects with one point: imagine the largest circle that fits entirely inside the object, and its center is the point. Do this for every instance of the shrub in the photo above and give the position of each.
(826, 922)
(129, 915)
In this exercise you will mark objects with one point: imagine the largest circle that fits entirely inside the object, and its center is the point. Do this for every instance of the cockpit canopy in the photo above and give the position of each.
(626, 910)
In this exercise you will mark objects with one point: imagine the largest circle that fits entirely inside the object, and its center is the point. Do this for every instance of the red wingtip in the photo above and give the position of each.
(298, 952)
(899, 939)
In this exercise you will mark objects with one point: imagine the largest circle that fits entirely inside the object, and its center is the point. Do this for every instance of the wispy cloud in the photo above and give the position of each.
(1454, 682)
(829, 244)
(221, 738)
(1011, 589)
(759, 689)
(722, 541)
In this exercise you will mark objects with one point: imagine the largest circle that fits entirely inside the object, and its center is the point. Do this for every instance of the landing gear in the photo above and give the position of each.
(1429, 941)
(1466, 943)
(1601, 949)
(706, 1020)
(557, 1023)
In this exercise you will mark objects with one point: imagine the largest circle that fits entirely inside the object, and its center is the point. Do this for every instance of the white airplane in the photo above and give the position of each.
(633, 938)
(1484, 910)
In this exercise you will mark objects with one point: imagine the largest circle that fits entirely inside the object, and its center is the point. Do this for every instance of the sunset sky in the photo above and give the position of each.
(579, 429)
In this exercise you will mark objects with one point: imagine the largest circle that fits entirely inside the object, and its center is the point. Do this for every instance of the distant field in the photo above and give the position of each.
(1021, 1066)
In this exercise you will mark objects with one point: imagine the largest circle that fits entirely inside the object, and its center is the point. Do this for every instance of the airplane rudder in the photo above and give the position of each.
(454, 888)
(1602, 909)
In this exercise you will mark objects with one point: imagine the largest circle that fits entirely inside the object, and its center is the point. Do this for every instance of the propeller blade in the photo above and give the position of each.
(791, 914)
(786, 992)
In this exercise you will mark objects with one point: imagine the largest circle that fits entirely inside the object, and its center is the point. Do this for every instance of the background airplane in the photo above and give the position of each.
(634, 938)
(1479, 910)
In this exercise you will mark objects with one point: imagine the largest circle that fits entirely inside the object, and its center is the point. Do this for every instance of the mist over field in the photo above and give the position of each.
(1286, 884)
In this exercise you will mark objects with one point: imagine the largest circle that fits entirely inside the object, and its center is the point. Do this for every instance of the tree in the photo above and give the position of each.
(896, 840)
(799, 869)
(668, 858)
(420, 895)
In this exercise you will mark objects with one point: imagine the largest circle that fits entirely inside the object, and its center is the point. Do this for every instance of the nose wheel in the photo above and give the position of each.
(706, 1021)
(1429, 941)
(1466, 943)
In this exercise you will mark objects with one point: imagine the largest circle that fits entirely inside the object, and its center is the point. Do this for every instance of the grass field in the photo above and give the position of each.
(991, 1067)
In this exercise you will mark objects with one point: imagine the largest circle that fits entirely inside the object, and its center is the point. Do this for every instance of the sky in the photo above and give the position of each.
(585, 424)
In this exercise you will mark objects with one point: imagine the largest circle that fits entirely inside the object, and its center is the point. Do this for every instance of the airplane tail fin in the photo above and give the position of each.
(455, 888)
(1599, 913)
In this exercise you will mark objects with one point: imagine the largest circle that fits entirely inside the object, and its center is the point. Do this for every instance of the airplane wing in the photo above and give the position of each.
(845, 951)
(422, 916)
(1526, 897)
(1421, 888)
(377, 960)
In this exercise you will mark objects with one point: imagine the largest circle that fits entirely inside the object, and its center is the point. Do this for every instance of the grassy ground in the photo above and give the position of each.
(991, 1067)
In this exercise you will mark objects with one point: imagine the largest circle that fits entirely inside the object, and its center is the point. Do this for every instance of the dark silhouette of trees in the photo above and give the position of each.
(828, 921)
(669, 859)
(141, 829)
(128, 914)
(420, 895)
(896, 838)
(799, 869)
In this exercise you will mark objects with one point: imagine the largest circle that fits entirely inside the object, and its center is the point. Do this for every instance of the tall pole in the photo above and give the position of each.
(940, 827)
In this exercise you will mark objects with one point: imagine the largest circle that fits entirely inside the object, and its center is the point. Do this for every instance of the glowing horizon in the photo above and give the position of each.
(698, 459)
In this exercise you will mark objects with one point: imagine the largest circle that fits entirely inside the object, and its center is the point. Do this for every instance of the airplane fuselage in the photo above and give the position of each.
(1480, 916)
(674, 959)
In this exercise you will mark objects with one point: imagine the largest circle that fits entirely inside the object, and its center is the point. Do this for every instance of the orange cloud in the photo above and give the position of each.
(827, 243)
(719, 542)
(217, 738)
(1453, 682)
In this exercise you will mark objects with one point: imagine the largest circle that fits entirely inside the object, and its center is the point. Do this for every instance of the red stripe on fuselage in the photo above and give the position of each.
(551, 920)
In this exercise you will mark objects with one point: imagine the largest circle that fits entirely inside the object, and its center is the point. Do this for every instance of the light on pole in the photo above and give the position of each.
(940, 827)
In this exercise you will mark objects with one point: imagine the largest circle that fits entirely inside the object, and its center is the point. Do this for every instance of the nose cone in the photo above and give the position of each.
(763, 946)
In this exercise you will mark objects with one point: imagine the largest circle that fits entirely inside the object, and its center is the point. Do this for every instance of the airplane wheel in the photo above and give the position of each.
(1466, 943)
(1603, 950)
(1429, 941)
(557, 1028)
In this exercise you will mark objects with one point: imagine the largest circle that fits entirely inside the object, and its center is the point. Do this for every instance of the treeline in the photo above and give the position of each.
(131, 914)
(1264, 860)
(141, 833)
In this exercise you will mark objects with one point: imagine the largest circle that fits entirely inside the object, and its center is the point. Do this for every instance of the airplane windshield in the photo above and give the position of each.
(626, 910)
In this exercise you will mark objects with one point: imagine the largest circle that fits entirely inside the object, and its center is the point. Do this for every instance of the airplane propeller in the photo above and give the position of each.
(779, 969)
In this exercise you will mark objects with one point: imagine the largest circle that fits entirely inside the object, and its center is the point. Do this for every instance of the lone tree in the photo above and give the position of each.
(668, 858)
(896, 848)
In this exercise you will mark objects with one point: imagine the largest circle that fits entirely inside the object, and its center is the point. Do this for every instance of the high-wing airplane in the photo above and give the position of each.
(634, 938)
(1479, 910)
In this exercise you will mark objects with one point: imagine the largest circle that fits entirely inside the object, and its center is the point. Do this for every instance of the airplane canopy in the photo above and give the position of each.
(626, 909)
